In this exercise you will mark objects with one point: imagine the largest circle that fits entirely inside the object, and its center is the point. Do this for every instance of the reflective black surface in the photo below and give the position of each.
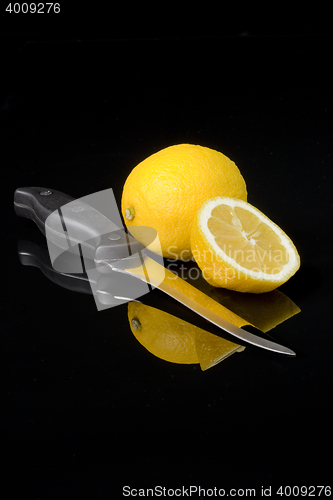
(86, 409)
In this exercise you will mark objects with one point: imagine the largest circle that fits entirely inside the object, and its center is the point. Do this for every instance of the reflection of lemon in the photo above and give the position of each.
(212, 349)
(265, 311)
(175, 340)
(162, 334)
(173, 285)
(239, 248)
(166, 189)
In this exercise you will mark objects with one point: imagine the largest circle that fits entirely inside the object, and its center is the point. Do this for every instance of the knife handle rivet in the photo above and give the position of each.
(45, 193)
(114, 237)
(77, 209)
(136, 325)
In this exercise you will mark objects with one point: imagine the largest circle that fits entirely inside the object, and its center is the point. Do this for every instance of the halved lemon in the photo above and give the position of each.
(239, 248)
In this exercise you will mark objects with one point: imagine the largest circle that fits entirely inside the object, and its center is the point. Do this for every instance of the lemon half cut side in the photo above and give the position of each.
(237, 247)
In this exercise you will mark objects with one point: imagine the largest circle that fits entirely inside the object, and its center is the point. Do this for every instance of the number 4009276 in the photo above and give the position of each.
(33, 8)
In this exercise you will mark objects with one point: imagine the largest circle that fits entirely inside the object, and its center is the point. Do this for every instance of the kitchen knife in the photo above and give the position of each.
(113, 248)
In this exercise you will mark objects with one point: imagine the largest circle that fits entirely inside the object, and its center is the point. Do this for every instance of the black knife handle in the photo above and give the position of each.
(38, 203)
(81, 221)
(71, 218)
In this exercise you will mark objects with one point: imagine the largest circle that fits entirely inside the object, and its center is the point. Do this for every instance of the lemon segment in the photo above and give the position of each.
(239, 248)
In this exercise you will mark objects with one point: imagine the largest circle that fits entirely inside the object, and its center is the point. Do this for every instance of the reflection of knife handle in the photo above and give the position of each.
(31, 254)
(38, 203)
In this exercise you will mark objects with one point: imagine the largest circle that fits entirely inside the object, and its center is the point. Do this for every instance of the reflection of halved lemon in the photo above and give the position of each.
(265, 311)
(175, 340)
(239, 248)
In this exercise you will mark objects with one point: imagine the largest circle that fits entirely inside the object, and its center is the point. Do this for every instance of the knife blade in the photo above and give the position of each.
(125, 254)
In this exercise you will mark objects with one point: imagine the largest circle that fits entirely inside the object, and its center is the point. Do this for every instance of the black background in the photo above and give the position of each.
(86, 409)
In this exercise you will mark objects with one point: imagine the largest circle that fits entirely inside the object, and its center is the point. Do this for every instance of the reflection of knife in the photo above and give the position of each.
(147, 323)
(39, 203)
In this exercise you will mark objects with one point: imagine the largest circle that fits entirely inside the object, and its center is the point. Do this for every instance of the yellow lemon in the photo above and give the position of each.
(166, 189)
(175, 340)
(239, 248)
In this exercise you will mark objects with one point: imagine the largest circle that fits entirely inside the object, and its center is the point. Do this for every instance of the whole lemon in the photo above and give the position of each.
(166, 190)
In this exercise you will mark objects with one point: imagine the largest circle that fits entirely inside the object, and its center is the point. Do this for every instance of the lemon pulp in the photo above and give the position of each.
(246, 239)
(239, 248)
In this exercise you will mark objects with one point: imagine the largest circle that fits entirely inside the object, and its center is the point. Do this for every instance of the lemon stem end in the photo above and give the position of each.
(136, 325)
(130, 213)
